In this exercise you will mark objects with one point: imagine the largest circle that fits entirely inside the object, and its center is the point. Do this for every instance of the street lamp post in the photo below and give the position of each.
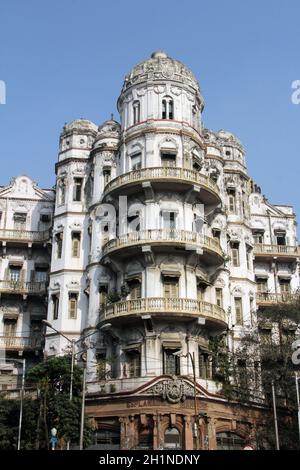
(73, 353)
(21, 404)
(192, 358)
(298, 400)
(275, 415)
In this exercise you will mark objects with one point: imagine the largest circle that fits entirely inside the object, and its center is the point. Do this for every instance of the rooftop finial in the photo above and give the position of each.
(112, 116)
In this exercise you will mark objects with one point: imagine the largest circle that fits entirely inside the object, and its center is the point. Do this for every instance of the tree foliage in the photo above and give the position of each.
(51, 408)
(262, 358)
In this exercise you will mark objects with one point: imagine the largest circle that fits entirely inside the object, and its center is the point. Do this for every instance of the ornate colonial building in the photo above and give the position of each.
(161, 242)
(25, 222)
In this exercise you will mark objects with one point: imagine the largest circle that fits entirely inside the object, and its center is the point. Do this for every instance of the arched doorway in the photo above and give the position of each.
(229, 441)
(172, 439)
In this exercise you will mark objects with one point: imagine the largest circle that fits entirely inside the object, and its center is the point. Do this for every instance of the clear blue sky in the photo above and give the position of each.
(65, 59)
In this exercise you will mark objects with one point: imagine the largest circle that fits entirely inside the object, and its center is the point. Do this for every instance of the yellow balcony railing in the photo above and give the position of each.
(24, 235)
(161, 305)
(275, 250)
(161, 236)
(162, 173)
(19, 287)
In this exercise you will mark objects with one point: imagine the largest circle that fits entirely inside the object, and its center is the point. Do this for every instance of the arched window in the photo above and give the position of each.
(136, 112)
(62, 192)
(167, 108)
(172, 439)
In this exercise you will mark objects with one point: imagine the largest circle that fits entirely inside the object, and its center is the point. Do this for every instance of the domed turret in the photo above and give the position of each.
(159, 68)
(160, 88)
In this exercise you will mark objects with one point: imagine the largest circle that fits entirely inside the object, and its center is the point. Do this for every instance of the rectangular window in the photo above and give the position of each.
(168, 159)
(55, 306)
(106, 176)
(101, 366)
(248, 257)
(201, 290)
(280, 238)
(133, 361)
(136, 112)
(238, 310)
(285, 286)
(20, 220)
(62, 192)
(171, 287)
(169, 220)
(262, 285)
(231, 201)
(76, 244)
(219, 297)
(45, 218)
(77, 189)
(73, 300)
(216, 233)
(204, 365)
(103, 292)
(14, 273)
(235, 254)
(135, 289)
(59, 244)
(171, 362)
(258, 238)
(10, 328)
(41, 274)
(136, 161)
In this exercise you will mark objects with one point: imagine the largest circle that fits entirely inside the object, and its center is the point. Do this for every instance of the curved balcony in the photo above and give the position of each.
(174, 179)
(214, 315)
(19, 287)
(267, 298)
(283, 251)
(160, 238)
(24, 236)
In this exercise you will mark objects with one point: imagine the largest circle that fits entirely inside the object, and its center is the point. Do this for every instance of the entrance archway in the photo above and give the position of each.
(229, 441)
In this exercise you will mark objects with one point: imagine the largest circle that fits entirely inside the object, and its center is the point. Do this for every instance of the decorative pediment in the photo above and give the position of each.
(173, 389)
(23, 187)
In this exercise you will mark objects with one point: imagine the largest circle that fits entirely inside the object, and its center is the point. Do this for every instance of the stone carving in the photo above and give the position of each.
(173, 391)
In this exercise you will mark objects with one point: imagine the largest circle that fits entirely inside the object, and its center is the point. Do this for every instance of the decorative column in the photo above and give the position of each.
(188, 433)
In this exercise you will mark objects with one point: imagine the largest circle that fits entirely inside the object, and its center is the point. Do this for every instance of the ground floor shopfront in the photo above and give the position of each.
(161, 415)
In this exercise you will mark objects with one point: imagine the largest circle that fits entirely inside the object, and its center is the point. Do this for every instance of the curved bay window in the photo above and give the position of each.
(167, 108)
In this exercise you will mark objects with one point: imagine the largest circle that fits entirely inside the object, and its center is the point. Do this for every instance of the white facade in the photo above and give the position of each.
(160, 235)
(26, 213)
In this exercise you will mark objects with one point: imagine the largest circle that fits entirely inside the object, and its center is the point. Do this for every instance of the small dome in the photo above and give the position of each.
(227, 138)
(110, 128)
(79, 125)
(159, 55)
(161, 67)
